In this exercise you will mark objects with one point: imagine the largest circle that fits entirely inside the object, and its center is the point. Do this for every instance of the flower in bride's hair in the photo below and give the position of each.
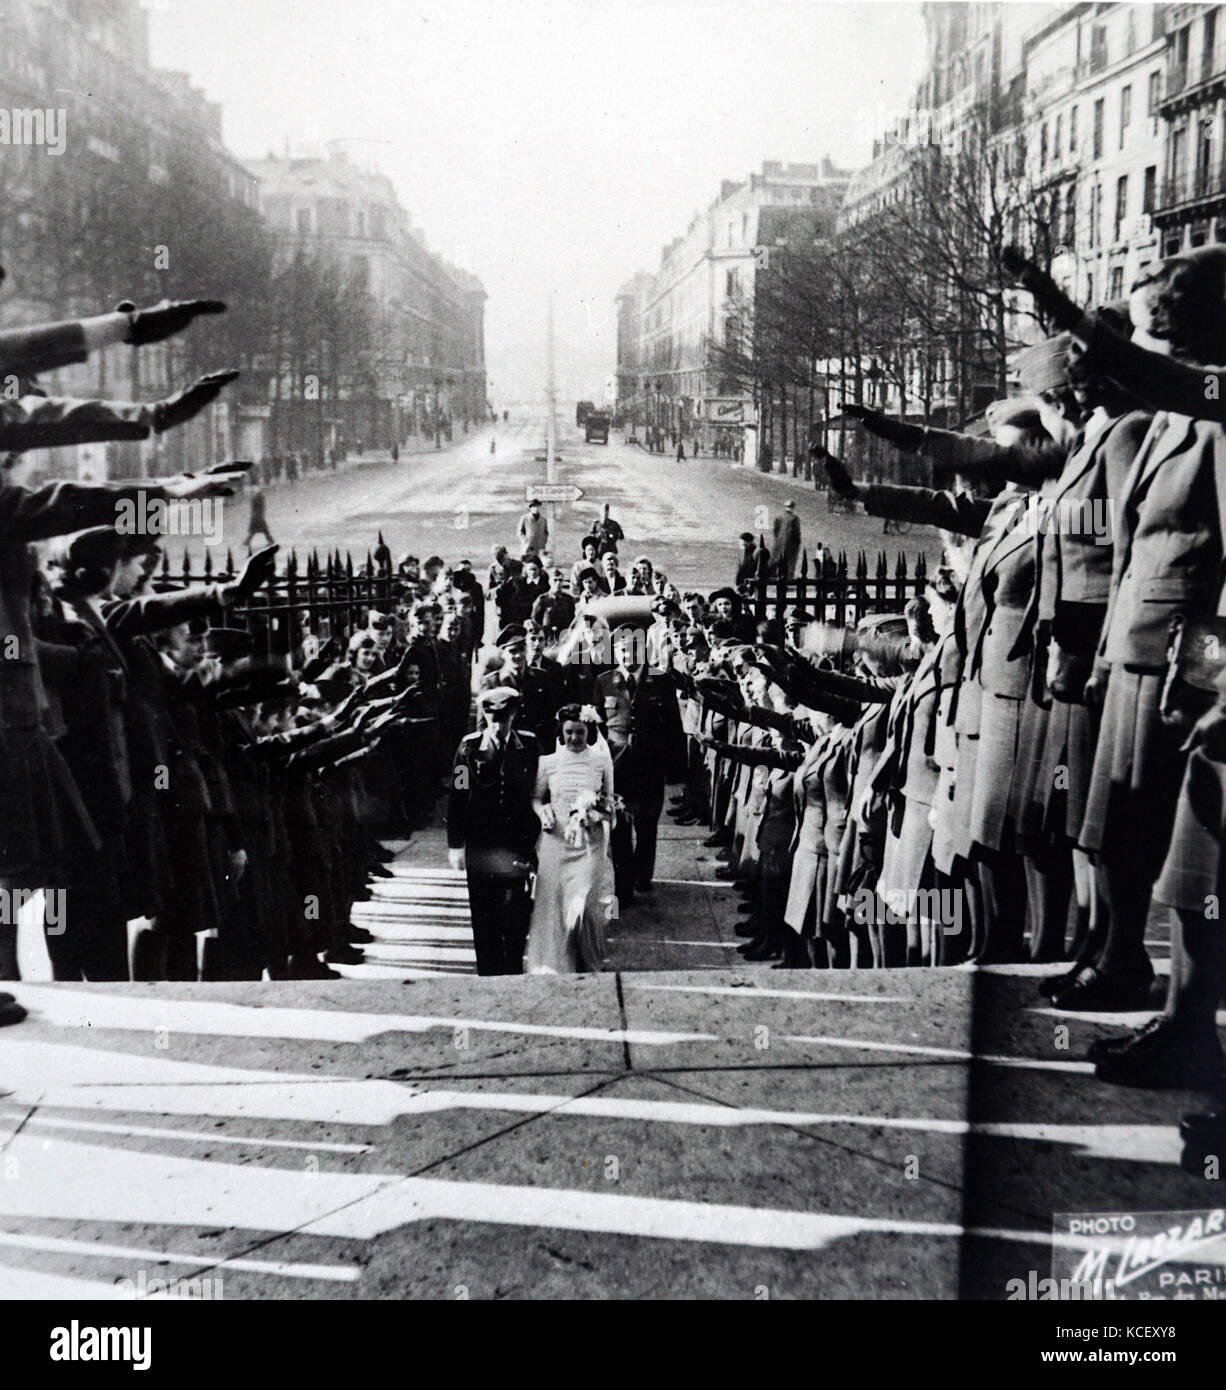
(589, 714)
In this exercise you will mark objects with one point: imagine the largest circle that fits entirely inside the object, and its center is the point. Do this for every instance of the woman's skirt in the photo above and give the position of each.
(906, 855)
(807, 887)
(965, 775)
(1056, 780)
(1192, 877)
(989, 818)
(1033, 719)
(44, 825)
(573, 903)
(1136, 777)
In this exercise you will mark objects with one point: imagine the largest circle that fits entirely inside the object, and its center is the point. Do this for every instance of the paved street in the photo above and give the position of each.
(463, 500)
(892, 1134)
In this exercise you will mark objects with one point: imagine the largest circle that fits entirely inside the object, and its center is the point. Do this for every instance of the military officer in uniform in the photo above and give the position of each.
(643, 727)
(492, 829)
(539, 691)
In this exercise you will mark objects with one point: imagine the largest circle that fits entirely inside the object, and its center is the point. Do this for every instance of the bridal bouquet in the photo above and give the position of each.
(588, 810)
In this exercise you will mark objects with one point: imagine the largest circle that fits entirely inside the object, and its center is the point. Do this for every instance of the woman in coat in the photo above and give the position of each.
(42, 805)
(1170, 523)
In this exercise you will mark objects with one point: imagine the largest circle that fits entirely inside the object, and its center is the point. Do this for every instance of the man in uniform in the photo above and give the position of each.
(643, 725)
(492, 829)
(533, 685)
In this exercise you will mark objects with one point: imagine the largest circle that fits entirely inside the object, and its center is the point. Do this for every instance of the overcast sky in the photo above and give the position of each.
(550, 144)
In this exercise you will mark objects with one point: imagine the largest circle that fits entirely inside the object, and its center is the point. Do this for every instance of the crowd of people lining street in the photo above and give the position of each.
(1012, 769)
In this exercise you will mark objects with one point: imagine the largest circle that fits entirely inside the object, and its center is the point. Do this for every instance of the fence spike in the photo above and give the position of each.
(208, 564)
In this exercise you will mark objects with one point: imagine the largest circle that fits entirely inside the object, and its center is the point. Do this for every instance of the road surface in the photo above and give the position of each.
(463, 500)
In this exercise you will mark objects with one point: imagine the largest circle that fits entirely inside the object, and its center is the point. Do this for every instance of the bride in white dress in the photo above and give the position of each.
(574, 898)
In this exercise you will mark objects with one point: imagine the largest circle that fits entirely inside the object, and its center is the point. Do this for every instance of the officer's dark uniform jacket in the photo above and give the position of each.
(490, 803)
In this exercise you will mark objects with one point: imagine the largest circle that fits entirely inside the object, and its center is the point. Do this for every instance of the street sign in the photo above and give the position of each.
(552, 492)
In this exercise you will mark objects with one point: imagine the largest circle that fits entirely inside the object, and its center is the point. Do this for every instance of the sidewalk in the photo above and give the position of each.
(860, 1134)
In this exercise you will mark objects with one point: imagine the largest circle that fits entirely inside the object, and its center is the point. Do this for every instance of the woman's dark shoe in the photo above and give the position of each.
(1051, 985)
(686, 820)
(358, 936)
(1209, 1125)
(1204, 1144)
(344, 955)
(379, 871)
(748, 928)
(10, 1010)
(748, 908)
(768, 950)
(712, 841)
(1120, 1042)
(726, 873)
(1097, 991)
(724, 855)
(1166, 1058)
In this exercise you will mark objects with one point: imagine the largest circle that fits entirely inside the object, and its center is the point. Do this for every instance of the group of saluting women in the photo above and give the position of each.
(1036, 752)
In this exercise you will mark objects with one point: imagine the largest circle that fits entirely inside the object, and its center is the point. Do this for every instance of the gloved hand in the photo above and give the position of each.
(1049, 298)
(258, 570)
(183, 405)
(839, 478)
(1209, 735)
(164, 320)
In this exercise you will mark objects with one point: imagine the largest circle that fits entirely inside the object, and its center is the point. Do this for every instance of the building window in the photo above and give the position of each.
(1043, 146)
(1150, 189)
(1115, 286)
(1130, 35)
(1172, 242)
(1209, 54)
(1121, 204)
(730, 284)
(1056, 139)
(1179, 139)
(1198, 235)
(1070, 217)
(1100, 111)
(1072, 131)
(1155, 92)
(1090, 288)
(1125, 112)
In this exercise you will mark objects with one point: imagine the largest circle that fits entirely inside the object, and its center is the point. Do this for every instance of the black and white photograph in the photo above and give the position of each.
(612, 668)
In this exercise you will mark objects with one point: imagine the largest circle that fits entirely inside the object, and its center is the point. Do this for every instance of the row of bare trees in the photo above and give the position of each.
(909, 305)
(81, 232)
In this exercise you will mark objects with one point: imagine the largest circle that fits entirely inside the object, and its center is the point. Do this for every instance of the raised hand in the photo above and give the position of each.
(1049, 298)
(183, 405)
(188, 487)
(258, 570)
(1209, 735)
(164, 320)
(838, 477)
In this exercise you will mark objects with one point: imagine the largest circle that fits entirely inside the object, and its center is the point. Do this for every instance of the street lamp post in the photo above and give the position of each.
(438, 419)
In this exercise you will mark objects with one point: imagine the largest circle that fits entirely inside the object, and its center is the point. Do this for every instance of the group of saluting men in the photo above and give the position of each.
(1031, 756)
(191, 792)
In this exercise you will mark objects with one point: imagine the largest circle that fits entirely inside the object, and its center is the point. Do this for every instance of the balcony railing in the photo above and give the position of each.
(1182, 77)
(1194, 184)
